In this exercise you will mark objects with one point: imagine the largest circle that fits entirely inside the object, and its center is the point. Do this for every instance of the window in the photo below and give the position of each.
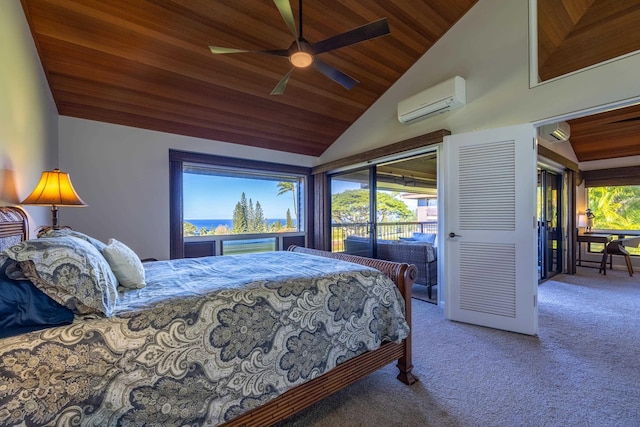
(219, 201)
(616, 208)
(222, 205)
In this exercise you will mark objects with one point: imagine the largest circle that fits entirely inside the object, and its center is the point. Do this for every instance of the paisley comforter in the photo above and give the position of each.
(206, 340)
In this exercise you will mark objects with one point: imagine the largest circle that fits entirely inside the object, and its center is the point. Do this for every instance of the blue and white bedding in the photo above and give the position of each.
(206, 340)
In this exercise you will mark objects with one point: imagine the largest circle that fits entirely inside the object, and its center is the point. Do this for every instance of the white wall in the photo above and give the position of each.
(122, 173)
(28, 115)
(489, 47)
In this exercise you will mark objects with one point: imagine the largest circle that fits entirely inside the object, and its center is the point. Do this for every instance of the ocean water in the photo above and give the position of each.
(213, 223)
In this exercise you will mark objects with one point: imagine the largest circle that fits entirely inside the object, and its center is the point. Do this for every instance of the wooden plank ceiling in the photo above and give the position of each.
(576, 34)
(146, 64)
(607, 135)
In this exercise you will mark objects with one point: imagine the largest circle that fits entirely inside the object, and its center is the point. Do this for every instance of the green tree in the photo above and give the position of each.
(352, 206)
(289, 221)
(286, 187)
(244, 204)
(258, 219)
(189, 229)
(251, 224)
(239, 219)
(615, 207)
(275, 227)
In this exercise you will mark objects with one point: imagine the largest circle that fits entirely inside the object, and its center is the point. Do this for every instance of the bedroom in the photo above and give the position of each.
(106, 160)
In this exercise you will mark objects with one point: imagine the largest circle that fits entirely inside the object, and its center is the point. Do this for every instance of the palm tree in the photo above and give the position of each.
(286, 186)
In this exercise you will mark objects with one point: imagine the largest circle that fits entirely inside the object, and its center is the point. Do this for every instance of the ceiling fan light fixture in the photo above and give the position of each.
(301, 59)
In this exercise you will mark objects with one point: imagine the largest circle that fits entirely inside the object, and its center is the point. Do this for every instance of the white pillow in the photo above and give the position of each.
(125, 264)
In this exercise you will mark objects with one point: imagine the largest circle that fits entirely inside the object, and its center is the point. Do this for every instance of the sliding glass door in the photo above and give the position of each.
(549, 224)
(383, 203)
(352, 212)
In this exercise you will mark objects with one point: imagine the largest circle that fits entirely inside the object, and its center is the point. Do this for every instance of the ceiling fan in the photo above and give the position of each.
(302, 54)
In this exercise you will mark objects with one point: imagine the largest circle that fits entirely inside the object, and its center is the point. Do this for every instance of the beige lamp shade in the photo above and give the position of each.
(582, 220)
(54, 189)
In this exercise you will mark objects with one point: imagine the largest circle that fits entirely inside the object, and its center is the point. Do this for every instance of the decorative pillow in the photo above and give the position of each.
(425, 237)
(125, 264)
(23, 307)
(70, 271)
(63, 232)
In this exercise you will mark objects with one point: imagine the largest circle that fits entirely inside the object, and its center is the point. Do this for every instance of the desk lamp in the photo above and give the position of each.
(582, 221)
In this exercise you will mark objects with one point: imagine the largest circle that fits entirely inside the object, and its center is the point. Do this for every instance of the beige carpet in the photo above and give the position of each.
(583, 369)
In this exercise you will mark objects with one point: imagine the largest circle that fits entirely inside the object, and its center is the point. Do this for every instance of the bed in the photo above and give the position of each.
(235, 340)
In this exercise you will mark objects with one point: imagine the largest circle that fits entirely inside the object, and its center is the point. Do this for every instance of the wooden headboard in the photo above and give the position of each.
(14, 226)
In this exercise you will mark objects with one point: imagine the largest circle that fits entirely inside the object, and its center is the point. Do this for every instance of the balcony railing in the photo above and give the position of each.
(384, 231)
(245, 243)
(229, 244)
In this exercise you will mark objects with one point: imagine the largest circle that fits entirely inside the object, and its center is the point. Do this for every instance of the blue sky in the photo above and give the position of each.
(215, 197)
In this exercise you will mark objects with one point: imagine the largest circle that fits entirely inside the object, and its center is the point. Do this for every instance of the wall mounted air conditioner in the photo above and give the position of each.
(555, 132)
(443, 97)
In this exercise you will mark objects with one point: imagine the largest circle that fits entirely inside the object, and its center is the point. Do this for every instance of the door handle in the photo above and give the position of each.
(452, 235)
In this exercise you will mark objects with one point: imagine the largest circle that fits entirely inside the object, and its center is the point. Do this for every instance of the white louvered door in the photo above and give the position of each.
(490, 228)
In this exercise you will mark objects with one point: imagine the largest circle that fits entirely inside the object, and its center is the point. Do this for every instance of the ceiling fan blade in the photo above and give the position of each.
(284, 7)
(217, 50)
(366, 32)
(279, 89)
(334, 74)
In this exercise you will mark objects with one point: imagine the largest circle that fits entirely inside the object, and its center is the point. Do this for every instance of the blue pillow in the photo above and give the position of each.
(425, 237)
(23, 307)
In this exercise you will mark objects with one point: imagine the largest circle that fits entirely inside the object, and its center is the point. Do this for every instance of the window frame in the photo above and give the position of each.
(177, 161)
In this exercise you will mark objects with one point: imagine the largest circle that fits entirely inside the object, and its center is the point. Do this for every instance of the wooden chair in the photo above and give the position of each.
(615, 248)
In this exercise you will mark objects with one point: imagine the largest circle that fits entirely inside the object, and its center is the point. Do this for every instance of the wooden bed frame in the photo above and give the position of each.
(305, 395)
(14, 228)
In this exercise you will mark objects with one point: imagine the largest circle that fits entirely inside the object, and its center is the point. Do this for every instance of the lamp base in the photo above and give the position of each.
(54, 217)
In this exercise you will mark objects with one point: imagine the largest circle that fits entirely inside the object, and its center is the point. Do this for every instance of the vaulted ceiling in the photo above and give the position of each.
(147, 63)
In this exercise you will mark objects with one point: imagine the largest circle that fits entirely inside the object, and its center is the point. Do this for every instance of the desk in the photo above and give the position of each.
(594, 238)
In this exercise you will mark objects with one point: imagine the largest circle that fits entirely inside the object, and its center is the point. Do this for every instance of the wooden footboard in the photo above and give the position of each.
(305, 395)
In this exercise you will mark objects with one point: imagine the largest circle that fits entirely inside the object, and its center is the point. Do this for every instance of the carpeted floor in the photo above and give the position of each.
(583, 368)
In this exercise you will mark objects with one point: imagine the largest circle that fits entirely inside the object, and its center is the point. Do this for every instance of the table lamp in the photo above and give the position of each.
(55, 189)
(582, 221)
